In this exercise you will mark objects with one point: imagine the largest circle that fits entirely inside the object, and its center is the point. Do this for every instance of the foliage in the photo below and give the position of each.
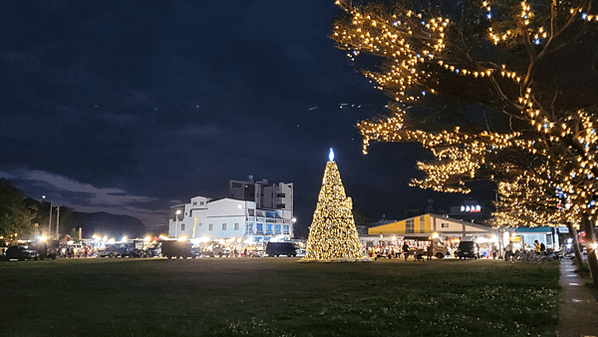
(16, 213)
(280, 297)
(496, 90)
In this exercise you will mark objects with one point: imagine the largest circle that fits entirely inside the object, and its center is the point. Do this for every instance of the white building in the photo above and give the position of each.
(255, 211)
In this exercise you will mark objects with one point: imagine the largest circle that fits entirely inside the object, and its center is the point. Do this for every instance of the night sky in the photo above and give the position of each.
(131, 107)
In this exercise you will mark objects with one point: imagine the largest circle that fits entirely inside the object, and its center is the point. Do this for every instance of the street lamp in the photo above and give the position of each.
(50, 217)
(176, 223)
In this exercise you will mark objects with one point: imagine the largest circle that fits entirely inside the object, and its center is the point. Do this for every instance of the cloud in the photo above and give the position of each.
(80, 196)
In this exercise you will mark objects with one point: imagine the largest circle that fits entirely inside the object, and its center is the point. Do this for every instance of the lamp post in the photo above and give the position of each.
(176, 223)
(50, 217)
(57, 222)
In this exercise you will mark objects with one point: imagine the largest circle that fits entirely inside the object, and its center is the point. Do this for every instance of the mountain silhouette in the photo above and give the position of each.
(111, 225)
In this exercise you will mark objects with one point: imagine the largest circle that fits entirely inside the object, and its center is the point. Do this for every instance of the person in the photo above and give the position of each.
(245, 252)
(542, 247)
(509, 252)
(405, 250)
(537, 247)
(430, 252)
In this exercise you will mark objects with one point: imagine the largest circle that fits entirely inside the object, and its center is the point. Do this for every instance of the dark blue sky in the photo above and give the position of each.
(133, 106)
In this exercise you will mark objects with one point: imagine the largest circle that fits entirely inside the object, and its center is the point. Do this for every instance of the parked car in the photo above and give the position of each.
(220, 251)
(20, 253)
(111, 251)
(281, 248)
(467, 249)
(175, 249)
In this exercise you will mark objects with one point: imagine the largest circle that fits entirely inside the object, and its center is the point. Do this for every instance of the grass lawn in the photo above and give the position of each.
(277, 297)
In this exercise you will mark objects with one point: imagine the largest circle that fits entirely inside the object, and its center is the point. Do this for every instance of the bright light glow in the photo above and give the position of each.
(178, 211)
(111, 241)
(163, 237)
(42, 238)
(97, 237)
(239, 206)
(124, 239)
(595, 246)
(205, 239)
(435, 235)
(332, 234)
(182, 238)
(294, 220)
(331, 155)
(147, 239)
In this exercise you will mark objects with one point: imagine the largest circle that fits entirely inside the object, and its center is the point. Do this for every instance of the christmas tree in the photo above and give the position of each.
(333, 235)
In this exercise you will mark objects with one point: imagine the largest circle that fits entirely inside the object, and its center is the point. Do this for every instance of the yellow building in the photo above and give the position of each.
(426, 224)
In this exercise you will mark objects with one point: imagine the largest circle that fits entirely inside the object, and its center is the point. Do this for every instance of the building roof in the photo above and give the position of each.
(533, 230)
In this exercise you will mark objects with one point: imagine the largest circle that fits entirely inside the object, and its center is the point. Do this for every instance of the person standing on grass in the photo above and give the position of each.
(509, 252)
(537, 247)
(405, 250)
(430, 252)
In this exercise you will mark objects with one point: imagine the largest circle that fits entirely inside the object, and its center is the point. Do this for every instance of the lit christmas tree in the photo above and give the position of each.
(333, 235)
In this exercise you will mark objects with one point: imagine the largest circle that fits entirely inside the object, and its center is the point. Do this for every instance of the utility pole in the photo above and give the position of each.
(57, 222)
(50, 217)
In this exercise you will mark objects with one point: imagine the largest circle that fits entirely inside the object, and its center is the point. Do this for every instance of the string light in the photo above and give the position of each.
(332, 234)
(549, 150)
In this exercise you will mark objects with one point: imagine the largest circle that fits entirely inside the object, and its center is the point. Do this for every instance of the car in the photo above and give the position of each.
(21, 252)
(467, 249)
(220, 251)
(281, 248)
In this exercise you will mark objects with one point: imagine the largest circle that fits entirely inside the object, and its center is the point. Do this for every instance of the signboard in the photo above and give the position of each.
(563, 229)
(516, 238)
(471, 209)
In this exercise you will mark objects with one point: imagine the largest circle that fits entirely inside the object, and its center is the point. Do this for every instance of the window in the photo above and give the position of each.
(277, 229)
(237, 185)
(211, 227)
(269, 229)
(251, 212)
(444, 225)
(201, 203)
(280, 206)
(286, 229)
(199, 224)
(259, 228)
(409, 226)
(182, 227)
(249, 227)
(224, 226)
(281, 195)
(195, 203)
(236, 226)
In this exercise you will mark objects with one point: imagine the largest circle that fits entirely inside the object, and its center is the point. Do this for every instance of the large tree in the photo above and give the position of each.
(497, 90)
(16, 213)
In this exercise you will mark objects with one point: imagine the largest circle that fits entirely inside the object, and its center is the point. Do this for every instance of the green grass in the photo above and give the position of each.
(277, 297)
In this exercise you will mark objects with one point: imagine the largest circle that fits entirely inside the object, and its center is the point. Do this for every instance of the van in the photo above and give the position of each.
(281, 248)
(468, 249)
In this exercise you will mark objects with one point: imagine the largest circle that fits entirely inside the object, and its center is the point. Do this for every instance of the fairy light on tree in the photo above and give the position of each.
(503, 93)
(332, 234)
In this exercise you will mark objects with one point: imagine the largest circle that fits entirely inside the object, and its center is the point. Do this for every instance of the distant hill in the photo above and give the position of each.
(111, 225)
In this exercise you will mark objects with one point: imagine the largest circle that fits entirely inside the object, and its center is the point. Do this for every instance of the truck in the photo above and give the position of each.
(176, 249)
(439, 248)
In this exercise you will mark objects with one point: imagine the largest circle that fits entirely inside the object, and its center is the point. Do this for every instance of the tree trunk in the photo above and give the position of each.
(587, 226)
(573, 234)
